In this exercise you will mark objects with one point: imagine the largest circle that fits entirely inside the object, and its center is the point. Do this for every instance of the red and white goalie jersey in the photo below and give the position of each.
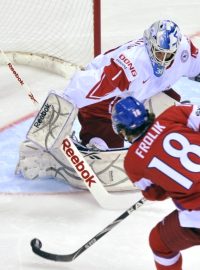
(166, 161)
(127, 71)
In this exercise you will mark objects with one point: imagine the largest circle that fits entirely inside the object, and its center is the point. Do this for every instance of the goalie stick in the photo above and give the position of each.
(19, 79)
(36, 244)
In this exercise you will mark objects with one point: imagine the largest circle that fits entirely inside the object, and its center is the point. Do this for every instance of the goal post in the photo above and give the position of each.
(97, 27)
(57, 35)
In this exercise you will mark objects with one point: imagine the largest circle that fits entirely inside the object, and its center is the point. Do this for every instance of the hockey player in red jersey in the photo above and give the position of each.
(166, 150)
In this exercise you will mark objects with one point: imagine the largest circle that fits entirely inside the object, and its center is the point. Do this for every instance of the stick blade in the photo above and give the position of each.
(36, 246)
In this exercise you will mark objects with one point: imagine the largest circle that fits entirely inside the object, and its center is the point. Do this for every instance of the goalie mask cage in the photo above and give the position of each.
(58, 35)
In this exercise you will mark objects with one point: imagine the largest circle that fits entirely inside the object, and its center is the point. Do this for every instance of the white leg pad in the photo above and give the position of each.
(35, 162)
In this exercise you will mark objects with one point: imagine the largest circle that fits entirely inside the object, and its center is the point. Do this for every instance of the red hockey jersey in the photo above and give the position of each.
(165, 162)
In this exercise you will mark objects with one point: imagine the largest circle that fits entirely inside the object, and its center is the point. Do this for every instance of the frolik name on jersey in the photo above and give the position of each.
(148, 139)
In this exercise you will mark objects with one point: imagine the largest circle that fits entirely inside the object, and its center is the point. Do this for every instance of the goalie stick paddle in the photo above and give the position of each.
(36, 244)
(92, 182)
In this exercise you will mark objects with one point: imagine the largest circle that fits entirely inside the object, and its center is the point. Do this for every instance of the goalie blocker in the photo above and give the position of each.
(50, 123)
(53, 122)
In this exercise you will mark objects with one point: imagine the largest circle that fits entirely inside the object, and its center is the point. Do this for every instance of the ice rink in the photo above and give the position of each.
(65, 218)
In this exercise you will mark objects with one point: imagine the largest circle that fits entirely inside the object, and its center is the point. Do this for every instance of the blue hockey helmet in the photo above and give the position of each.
(129, 114)
(162, 40)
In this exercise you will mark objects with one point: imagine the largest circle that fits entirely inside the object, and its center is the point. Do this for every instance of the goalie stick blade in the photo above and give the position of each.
(36, 244)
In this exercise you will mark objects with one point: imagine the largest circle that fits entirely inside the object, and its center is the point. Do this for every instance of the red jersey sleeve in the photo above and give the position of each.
(149, 190)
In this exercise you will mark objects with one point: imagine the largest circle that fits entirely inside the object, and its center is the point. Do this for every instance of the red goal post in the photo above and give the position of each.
(58, 35)
(97, 27)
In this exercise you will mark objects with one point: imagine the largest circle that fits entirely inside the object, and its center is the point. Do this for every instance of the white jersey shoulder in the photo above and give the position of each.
(134, 60)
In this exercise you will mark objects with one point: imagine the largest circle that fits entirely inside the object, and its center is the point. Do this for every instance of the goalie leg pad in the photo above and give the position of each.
(158, 103)
(35, 162)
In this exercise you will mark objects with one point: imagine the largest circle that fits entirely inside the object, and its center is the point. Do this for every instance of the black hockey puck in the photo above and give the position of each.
(36, 243)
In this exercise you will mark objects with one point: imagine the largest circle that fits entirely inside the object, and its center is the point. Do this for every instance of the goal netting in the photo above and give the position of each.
(57, 35)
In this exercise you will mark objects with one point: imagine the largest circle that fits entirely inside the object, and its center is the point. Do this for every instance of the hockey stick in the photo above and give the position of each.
(19, 79)
(36, 244)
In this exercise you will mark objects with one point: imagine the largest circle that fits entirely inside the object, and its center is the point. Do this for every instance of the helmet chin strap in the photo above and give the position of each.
(135, 138)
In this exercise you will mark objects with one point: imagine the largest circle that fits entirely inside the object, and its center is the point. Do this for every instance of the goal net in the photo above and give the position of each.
(58, 35)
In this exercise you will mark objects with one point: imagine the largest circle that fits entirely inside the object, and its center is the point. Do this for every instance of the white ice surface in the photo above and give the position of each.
(62, 217)
(65, 218)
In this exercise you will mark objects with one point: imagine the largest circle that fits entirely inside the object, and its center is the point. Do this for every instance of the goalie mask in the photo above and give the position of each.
(129, 115)
(162, 40)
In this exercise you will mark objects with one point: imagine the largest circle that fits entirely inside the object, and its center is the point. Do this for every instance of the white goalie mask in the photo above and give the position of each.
(162, 40)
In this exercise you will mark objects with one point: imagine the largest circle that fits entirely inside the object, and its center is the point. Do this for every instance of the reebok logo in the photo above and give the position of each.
(42, 115)
(77, 163)
(15, 73)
